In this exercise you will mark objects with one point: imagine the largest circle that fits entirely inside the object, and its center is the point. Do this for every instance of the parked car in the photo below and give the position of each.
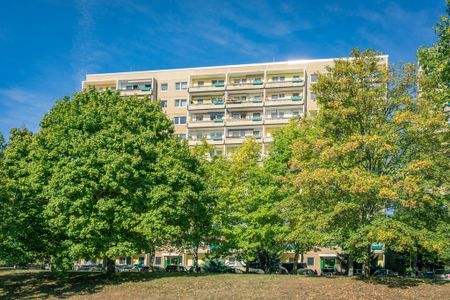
(441, 274)
(89, 267)
(140, 268)
(176, 269)
(429, 275)
(329, 272)
(158, 269)
(124, 268)
(306, 272)
(385, 273)
(199, 270)
(278, 270)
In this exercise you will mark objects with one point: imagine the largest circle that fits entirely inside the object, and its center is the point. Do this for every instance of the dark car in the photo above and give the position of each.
(329, 272)
(429, 275)
(384, 273)
(307, 272)
(199, 270)
(176, 269)
(158, 269)
(278, 270)
(140, 268)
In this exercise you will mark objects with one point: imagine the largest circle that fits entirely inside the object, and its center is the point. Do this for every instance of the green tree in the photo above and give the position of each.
(350, 155)
(246, 218)
(300, 231)
(22, 227)
(116, 180)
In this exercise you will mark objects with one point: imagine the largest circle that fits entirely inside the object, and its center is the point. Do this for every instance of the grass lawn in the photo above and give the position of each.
(41, 284)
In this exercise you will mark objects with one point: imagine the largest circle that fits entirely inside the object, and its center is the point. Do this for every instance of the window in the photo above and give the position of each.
(291, 260)
(257, 133)
(240, 81)
(232, 261)
(277, 96)
(295, 94)
(163, 103)
(296, 78)
(200, 83)
(313, 96)
(314, 78)
(235, 134)
(310, 261)
(164, 86)
(278, 78)
(198, 118)
(215, 152)
(141, 260)
(256, 115)
(179, 86)
(158, 260)
(122, 260)
(199, 101)
(277, 114)
(295, 113)
(180, 102)
(179, 120)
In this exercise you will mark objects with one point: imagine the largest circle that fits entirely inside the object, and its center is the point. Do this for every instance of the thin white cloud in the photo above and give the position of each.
(23, 108)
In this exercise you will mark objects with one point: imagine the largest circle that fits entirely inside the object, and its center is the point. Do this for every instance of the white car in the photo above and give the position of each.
(442, 274)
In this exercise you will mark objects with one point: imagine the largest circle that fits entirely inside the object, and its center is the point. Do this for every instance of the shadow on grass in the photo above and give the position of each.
(33, 285)
(399, 282)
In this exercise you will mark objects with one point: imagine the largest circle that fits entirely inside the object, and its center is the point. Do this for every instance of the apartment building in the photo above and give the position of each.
(224, 104)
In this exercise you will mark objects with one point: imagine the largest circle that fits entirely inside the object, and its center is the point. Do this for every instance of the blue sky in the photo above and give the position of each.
(47, 46)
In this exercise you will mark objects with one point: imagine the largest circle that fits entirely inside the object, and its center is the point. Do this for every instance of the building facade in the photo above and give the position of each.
(224, 104)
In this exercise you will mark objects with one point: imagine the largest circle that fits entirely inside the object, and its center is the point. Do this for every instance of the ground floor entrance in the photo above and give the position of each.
(173, 261)
(328, 263)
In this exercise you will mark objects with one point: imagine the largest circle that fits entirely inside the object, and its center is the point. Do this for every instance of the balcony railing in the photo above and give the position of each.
(294, 100)
(207, 87)
(217, 101)
(285, 83)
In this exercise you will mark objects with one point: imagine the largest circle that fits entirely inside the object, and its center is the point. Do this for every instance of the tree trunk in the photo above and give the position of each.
(350, 265)
(413, 264)
(366, 265)
(151, 258)
(196, 258)
(247, 267)
(295, 267)
(110, 266)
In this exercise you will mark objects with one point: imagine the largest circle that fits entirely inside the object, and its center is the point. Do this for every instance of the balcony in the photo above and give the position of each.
(205, 106)
(138, 92)
(283, 101)
(135, 87)
(268, 139)
(285, 83)
(213, 141)
(249, 102)
(284, 120)
(240, 139)
(248, 120)
(206, 123)
(253, 84)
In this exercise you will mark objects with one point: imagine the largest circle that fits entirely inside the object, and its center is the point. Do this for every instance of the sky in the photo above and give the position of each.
(48, 46)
